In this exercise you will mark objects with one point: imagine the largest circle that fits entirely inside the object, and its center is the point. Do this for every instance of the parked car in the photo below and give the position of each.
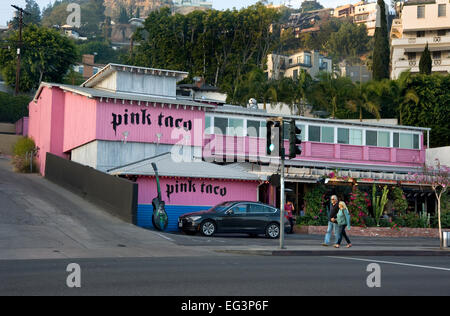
(251, 218)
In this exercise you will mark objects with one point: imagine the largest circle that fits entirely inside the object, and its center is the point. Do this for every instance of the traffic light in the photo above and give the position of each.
(273, 138)
(295, 139)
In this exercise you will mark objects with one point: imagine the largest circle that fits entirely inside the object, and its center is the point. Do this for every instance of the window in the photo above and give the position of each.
(441, 32)
(421, 12)
(295, 74)
(416, 144)
(303, 133)
(343, 135)
(327, 134)
(371, 138)
(442, 10)
(384, 139)
(235, 127)
(207, 125)
(420, 33)
(406, 141)
(356, 137)
(314, 133)
(437, 55)
(220, 125)
(258, 209)
(396, 140)
(411, 56)
(290, 61)
(253, 128)
(240, 209)
(307, 60)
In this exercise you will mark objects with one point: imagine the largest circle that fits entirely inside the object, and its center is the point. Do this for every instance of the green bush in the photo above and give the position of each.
(21, 149)
(13, 108)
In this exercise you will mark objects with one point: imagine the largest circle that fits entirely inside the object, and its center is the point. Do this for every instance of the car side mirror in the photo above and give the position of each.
(229, 212)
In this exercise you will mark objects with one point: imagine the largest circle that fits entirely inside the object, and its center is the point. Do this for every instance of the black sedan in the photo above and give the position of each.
(251, 218)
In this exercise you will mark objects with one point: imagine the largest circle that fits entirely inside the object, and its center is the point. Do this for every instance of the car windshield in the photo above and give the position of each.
(221, 207)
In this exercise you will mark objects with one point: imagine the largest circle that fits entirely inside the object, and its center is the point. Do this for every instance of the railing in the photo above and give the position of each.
(252, 147)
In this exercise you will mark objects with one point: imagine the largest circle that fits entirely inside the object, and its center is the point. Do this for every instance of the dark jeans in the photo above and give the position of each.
(342, 233)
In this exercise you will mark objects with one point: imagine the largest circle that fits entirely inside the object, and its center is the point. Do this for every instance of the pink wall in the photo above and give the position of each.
(219, 145)
(79, 120)
(144, 123)
(22, 126)
(226, 190)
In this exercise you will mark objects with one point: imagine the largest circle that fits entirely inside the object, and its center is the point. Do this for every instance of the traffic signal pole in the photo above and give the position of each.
(282, 151)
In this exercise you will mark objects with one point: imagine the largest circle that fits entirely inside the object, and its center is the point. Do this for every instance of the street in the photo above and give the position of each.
(227, 276)
(44, 228)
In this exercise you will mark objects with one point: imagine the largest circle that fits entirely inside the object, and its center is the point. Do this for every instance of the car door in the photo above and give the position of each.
(233, 219)
(258, 217)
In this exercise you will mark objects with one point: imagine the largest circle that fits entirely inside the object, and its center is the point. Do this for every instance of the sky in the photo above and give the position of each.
(6, 11)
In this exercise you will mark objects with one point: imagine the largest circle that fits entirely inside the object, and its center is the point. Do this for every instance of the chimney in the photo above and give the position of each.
(88, 63)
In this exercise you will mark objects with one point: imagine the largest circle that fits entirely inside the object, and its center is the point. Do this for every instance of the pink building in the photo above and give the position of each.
(125, 117)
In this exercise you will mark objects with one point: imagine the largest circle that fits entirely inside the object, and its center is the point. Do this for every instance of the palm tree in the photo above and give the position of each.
(402, 95)
(330, 92)
(364, 97)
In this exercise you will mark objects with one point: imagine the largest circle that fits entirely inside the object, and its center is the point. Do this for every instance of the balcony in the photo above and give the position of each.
(443, 62)
(422, 41)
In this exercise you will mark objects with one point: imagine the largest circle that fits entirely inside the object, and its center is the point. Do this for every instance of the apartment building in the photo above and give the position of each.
(363, 12)
(421, 22)
(280, 66)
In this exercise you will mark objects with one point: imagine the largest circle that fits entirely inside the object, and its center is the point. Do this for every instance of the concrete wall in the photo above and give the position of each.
(7, 142)
(441, 153)
(118, 196)
(7, 128)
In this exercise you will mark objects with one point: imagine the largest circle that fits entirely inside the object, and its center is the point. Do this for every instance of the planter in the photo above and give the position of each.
(373, 231)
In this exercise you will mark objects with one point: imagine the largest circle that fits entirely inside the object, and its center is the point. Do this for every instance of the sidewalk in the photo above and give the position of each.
(362, 249)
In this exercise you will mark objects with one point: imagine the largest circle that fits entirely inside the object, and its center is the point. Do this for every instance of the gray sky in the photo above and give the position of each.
(6, 11)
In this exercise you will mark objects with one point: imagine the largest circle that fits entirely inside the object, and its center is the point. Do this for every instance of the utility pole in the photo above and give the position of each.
(19, 48)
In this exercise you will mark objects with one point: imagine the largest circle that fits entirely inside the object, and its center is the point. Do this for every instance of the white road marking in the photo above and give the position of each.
(394, 263)
(167, 238)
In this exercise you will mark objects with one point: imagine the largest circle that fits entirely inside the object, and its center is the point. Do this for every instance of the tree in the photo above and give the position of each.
(425, 63)
(330, 93)
(349, 42)
(363, 97)
(310, 5)
(438, 177)
(432, 108)
(381, 51)
(46, 56)
(34, 16)
(398, 94)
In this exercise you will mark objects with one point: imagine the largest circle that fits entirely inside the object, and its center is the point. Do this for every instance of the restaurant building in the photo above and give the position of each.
(124, 118)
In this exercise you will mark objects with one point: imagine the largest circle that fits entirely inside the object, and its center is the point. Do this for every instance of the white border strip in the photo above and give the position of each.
(394, 263)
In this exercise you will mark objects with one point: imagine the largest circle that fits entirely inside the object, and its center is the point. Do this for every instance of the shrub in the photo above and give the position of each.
(20, 160)
(359, 208)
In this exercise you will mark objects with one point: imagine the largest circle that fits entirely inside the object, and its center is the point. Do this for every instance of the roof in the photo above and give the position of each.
(115, 96)
(110, 68)
(238, 110)
(169, 167)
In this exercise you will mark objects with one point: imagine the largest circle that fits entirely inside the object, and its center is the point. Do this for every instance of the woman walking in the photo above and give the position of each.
(343, 220)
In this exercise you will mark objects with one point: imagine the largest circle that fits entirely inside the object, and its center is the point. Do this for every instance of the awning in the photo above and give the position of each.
(430, 48)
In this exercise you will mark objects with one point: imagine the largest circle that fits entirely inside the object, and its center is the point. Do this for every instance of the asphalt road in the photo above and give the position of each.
(229, 276)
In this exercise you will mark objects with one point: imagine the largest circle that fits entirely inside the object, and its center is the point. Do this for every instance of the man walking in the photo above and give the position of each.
(332, 221)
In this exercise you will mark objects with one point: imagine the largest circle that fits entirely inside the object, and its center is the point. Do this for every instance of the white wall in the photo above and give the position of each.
(441, 153)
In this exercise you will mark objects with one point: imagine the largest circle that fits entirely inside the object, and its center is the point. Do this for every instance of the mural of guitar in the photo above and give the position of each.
(160, 219)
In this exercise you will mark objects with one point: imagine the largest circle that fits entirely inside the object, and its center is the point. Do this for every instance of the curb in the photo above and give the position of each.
(317, 253)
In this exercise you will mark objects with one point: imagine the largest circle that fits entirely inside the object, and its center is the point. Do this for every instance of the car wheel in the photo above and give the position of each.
(208, 228)
(273, 230)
